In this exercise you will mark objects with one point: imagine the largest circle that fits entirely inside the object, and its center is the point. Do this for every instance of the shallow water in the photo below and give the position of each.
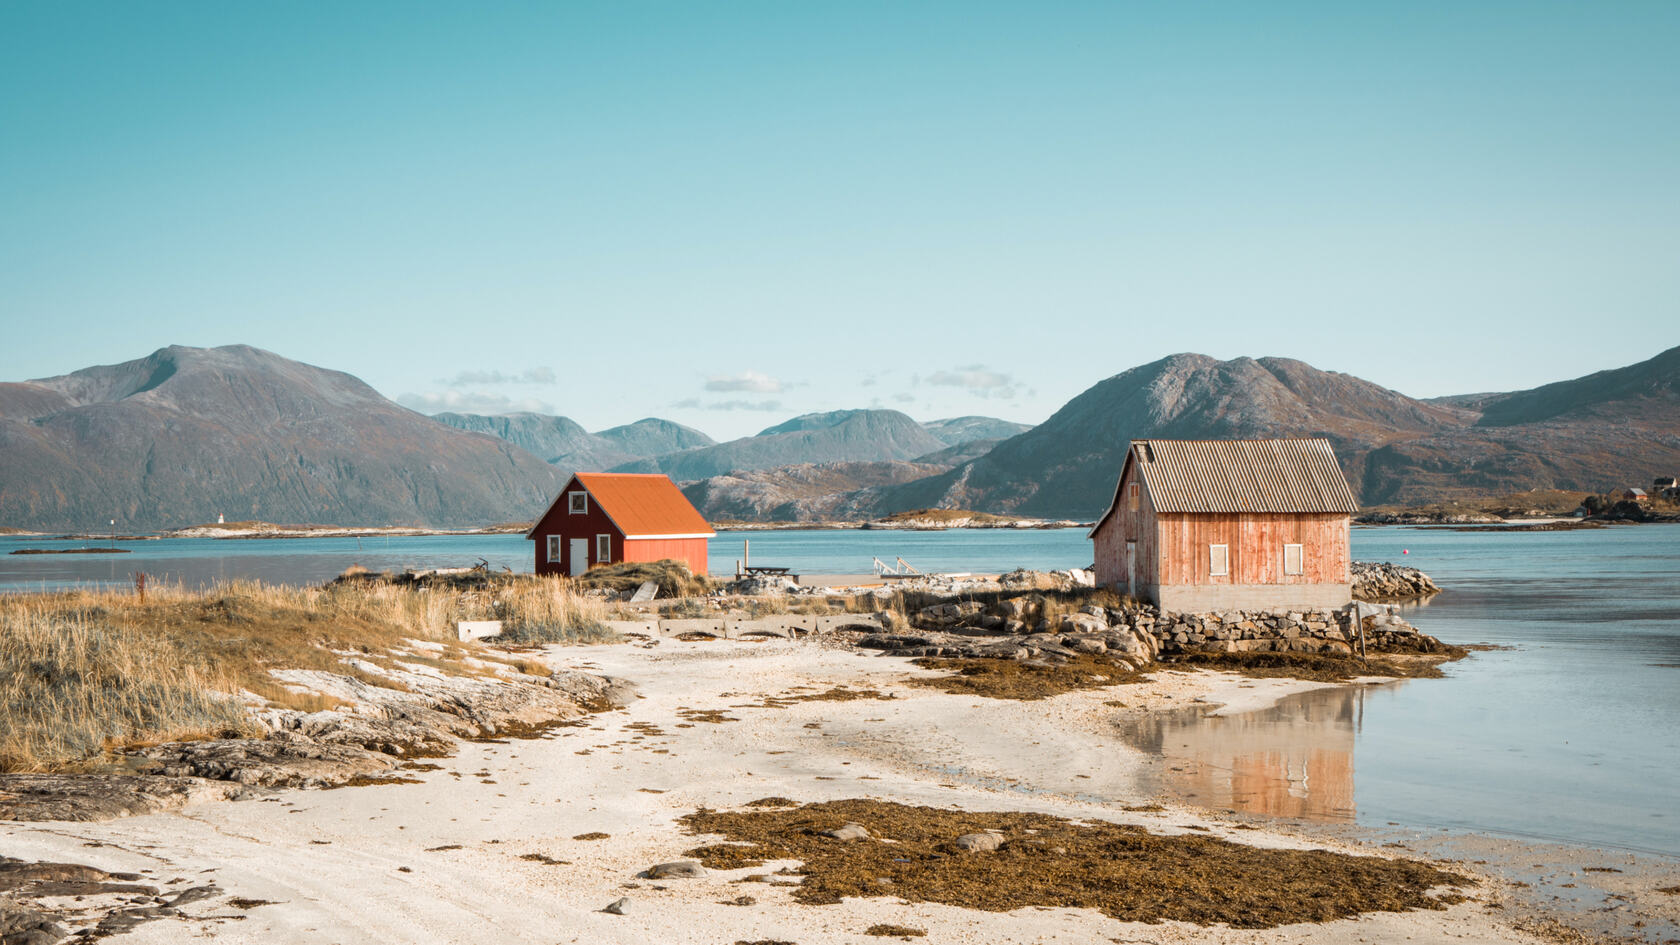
(1572, 734)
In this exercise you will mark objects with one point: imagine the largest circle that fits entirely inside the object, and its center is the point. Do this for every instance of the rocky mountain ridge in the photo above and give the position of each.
(185, 434)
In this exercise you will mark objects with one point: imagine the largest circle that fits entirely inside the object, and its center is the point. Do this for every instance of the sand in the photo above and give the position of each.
(483, 849)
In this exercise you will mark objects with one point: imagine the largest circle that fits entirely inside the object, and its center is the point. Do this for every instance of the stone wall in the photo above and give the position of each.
(1013, 629)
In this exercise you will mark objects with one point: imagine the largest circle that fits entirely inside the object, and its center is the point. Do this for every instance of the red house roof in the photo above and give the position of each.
(642, 505)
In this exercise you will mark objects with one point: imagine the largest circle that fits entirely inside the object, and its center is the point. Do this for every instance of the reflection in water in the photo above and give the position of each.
(1294, 759)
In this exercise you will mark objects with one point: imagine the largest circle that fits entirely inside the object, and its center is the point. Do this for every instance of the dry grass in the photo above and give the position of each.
(1124, 871)
(82, 672)
(673, 578)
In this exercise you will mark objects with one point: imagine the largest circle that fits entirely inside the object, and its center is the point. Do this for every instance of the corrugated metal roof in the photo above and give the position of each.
(644, 505)
(1224, 476)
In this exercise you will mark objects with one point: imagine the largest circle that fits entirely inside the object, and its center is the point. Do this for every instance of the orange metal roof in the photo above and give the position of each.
(645, 505)
(1284, 475)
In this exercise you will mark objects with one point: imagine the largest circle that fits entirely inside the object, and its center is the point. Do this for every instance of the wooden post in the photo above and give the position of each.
(1361, 621)
(746, 553)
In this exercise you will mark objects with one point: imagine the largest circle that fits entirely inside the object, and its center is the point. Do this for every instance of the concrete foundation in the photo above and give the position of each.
(1208, 598)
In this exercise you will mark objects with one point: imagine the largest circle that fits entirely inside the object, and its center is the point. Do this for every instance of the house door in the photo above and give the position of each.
(580, 556)
(1131, 568)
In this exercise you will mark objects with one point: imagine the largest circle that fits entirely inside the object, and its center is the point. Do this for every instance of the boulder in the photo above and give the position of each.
(848, 832)
(984, 842)
(680, 869)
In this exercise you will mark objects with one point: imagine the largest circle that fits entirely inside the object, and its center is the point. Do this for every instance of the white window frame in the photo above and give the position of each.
(1300, 559)
(577, 503)
(603, 549)
(1219, 560)
(554, 549)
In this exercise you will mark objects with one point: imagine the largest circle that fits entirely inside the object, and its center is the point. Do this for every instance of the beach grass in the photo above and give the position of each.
(84, 672)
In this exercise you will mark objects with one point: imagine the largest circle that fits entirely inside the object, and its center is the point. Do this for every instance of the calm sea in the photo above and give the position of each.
(1569, 732)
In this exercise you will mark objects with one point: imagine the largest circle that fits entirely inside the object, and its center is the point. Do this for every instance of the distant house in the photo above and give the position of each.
(1666, 486)
(606, 518)
(1637, 495)
(1210, 525)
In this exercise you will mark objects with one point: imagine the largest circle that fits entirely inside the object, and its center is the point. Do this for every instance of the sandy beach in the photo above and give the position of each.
(488, 847)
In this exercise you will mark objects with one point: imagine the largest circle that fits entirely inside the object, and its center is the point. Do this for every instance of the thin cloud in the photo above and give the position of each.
(536, 375)
(978, 380)
(744, 405)
(905, 398)
(455, 401)
(746, 382)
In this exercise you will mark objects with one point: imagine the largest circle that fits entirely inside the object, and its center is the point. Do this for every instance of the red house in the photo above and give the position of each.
(605, 518)
(1206, 525)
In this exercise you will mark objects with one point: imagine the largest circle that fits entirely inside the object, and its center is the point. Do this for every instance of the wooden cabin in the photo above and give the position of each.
(1198, 526)
(606, 518)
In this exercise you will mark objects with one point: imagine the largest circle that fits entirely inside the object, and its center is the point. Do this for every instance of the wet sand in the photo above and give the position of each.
(488, 848)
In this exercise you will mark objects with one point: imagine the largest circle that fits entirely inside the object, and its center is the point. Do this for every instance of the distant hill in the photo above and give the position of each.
(566, 444)
(803, 492)
(955, 430)
(549, 438)
(185, 434)
(655, 437)
(1591, 434)
(839, 436)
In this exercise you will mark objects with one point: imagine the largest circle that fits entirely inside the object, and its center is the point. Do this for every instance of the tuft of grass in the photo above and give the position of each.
(550, 610)
(673, 578)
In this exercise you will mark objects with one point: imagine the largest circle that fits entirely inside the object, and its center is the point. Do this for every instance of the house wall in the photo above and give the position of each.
(558, 521)
(690, 551)
(1256, 543)
(1123, 526)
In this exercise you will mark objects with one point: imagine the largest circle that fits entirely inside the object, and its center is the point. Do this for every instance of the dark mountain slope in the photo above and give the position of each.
(186, 433)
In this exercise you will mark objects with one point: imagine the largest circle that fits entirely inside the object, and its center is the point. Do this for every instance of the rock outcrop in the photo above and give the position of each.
(1383, 581)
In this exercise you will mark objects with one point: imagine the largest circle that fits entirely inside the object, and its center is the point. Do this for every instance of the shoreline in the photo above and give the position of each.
(497, 834)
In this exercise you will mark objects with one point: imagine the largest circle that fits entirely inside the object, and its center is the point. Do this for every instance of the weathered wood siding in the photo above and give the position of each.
(1256, 548)
(1127, 524)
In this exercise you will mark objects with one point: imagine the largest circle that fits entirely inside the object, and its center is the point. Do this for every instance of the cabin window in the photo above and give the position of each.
(1219, 560)
(603, 549)
(1291, 559)
(1132, 496)
(554, 549)
(577, 503)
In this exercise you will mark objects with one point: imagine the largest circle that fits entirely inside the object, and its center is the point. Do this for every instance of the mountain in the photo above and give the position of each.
(550, 438)
(956, 430)
(839, 436)
(1065, 466)
(803, 492)
(655, 437)
(185, 434)
(1593, 433)
(565, 443)
(1622, 394)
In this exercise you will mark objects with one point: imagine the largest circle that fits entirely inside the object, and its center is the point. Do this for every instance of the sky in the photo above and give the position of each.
(730, 213)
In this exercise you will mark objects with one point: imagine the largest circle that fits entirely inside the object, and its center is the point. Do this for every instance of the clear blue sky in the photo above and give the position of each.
(727, 213)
